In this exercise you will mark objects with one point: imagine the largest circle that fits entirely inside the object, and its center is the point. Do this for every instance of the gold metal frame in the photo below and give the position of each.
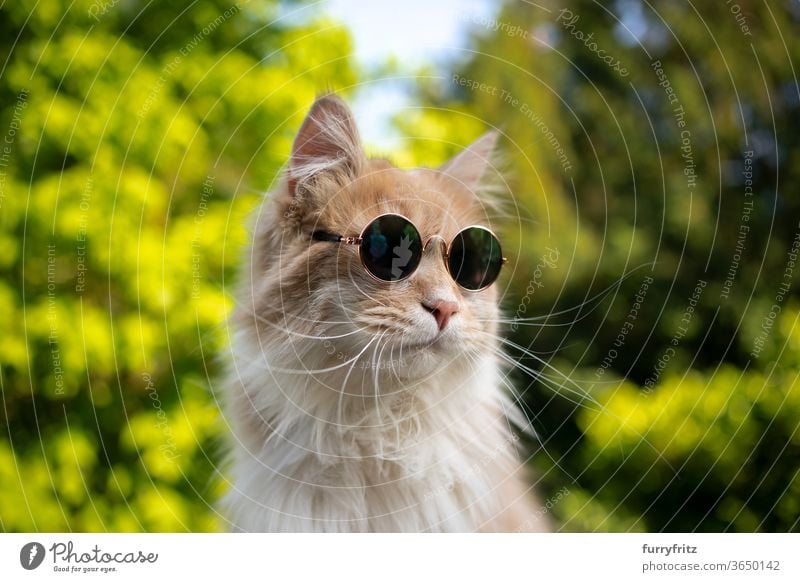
(357, 240)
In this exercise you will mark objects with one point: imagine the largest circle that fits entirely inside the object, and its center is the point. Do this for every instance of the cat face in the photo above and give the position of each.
(318, 296)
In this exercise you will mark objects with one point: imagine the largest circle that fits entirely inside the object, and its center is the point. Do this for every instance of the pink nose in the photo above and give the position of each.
(442, 311)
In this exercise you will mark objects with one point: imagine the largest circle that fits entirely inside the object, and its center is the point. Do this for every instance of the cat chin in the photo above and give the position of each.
(427, 360)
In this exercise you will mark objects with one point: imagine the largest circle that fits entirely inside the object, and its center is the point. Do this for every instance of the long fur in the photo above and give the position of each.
(350, 411)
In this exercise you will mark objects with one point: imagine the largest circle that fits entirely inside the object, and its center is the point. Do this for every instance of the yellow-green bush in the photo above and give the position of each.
(135, 158)
(726, 440)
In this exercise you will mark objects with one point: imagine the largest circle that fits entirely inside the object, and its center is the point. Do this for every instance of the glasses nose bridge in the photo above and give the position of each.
(434, 239)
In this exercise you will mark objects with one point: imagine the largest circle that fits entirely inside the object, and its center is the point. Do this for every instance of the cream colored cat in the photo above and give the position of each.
(359, 404)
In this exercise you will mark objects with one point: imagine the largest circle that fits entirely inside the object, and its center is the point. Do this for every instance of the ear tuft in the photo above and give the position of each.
(327, 141)
(471, 164)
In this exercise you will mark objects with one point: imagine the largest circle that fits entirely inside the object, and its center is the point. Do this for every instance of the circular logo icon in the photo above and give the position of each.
(31, 555)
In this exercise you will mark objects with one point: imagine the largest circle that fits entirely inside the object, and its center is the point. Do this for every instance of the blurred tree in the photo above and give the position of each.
(136, 138)
(652, 145)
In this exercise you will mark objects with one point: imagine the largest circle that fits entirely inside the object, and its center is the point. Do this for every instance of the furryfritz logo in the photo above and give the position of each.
(31, 555)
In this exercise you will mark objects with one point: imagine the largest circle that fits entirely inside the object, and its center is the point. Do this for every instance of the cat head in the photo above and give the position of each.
(315, 299)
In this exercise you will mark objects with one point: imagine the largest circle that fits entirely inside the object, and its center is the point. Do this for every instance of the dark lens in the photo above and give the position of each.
(475, 258)
(391, 248)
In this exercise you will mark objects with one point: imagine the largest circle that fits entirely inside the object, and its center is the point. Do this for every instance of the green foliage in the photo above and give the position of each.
(136, 140)
(630, 182)
(721, 445)
(141, 139)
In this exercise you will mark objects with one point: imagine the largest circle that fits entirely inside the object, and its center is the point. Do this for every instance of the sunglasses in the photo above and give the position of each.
(390, 248)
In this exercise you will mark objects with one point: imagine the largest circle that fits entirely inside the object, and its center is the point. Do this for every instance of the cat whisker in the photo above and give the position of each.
(535, 356)
(376, 361)
(602, 409)
(550, 382)
(521, 408)
(543, 443)
(519, 322)
(520, 402)
(319, 370)
(596, 299)
(540, 353)
(376, 327)
(340, 404)
(291, 332)
(577, 389)
(371, 297)
(391, 359)
(284, 314)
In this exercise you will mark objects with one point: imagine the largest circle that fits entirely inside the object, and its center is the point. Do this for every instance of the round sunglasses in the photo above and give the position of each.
(390, 248)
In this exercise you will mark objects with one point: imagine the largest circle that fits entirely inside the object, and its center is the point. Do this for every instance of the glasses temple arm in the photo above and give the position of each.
(324, 236)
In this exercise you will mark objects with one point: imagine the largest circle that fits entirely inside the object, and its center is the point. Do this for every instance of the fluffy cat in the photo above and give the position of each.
(352, 408)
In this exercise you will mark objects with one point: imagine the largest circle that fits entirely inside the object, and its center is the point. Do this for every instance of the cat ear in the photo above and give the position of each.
(470, 165)
(327, 141)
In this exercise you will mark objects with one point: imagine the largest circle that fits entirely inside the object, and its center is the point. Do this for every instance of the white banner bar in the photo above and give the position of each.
(389, 557)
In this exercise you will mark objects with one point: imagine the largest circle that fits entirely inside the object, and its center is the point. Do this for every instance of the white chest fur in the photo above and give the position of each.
(434, 457)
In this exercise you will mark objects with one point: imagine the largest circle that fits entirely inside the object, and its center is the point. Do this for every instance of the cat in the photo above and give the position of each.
(354, 406)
